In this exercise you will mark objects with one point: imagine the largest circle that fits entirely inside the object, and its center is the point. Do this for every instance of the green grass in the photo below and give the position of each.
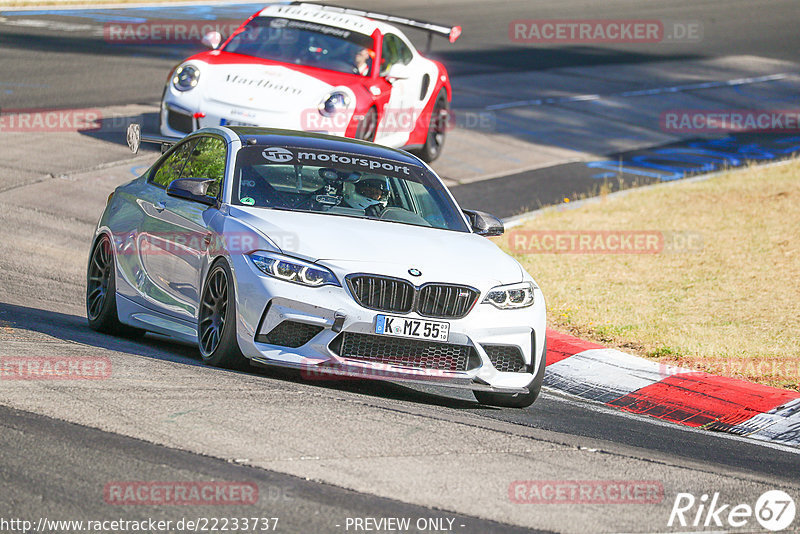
(729, 303)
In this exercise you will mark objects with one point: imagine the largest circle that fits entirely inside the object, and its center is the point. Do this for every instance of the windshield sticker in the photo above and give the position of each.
(247, 200)
(332, 18)
(319, 28)
(277, 154)
(282, 155)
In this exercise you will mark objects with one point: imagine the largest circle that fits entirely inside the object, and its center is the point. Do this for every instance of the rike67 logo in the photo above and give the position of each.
(774, 510)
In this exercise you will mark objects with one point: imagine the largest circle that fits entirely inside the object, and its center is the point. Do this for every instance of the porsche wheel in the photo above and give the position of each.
(216, 322)
(101, 293)
(437, 129)
(516, 400)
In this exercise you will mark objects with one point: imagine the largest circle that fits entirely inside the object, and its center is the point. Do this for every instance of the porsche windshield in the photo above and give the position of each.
(305, 43)
(344, 184)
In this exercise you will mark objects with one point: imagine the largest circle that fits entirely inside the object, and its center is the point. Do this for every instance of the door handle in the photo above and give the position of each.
(160, 206)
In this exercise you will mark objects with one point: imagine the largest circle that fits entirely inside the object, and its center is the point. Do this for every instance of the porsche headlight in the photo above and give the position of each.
(185, 77)
(293, 270)
(511, 296)
(334, 103)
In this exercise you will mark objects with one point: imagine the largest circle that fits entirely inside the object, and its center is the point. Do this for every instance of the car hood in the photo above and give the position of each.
(264, 87)
(348, 245)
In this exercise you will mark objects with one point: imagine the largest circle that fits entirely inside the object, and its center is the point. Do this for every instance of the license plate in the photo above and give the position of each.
(416, 328)
(227, 122)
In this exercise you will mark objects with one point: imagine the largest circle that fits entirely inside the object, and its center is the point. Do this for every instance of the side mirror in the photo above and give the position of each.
(134, 137)
(398, 71)
(484, 224)
(192, 189)
(212, 40)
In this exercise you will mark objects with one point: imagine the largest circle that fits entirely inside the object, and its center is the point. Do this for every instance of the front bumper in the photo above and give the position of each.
(328, 313)
(183, 113)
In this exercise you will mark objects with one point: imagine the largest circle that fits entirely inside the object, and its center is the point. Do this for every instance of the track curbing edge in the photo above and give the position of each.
(682, 396)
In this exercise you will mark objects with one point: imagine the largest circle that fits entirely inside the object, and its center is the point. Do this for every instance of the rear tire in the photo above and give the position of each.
(101, 293)
(437, 129)
(216, 321)
(516, 400)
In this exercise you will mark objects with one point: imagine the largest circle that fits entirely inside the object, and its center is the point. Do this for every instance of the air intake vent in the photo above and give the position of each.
(505, 358)
(179, 121)
(290, 334)
(405, 352)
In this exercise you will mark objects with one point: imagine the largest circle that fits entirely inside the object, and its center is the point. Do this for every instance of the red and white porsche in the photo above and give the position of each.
(316, 68)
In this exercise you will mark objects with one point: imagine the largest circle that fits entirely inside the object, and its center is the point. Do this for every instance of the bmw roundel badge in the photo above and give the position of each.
(415, 272)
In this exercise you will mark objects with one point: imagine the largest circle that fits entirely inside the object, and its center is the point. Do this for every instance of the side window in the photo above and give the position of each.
(405, 52)
(390, 53)
(394, 51)
(170, 169)
(207, 160)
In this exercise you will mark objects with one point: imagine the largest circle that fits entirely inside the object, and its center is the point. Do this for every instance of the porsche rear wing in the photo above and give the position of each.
(451, 32)
(135, 138)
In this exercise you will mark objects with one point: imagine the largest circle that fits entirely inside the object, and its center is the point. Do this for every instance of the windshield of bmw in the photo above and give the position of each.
(338, 183)
(305, 43)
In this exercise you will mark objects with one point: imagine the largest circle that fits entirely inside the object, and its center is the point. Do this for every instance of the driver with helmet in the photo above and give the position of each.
(370, 195)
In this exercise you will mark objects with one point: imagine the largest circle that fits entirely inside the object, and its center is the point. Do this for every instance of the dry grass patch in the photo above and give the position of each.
(730, 305)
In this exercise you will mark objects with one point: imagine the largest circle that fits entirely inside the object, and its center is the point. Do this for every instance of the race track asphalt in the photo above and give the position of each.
(338, 449)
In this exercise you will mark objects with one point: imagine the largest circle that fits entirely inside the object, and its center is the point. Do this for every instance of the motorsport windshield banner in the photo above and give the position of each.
(277, 155)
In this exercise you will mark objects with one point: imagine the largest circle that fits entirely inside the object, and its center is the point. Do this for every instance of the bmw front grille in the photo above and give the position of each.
(394, 295)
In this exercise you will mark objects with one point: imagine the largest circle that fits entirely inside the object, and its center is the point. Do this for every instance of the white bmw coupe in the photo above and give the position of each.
(334, 256)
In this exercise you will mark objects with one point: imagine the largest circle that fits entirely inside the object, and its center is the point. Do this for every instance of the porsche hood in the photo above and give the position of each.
(263, 87)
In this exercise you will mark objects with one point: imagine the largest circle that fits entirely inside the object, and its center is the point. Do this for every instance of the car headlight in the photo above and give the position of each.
(293, 270)
(185, 77)
(334, 103)
(511, 296)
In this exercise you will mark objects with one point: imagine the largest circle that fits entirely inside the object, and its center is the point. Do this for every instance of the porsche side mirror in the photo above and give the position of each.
(192, 189)
(398, 71)
(212, 40)
(484, 224)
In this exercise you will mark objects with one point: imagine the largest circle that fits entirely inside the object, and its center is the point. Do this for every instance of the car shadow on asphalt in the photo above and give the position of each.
(114, 128)
(43, 324)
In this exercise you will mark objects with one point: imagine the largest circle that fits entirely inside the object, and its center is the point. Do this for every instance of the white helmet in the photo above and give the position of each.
(365, 192)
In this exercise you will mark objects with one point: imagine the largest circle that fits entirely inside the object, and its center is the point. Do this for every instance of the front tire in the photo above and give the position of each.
(101, 293)
(216, 321)
(437, 129)
(516, 400)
